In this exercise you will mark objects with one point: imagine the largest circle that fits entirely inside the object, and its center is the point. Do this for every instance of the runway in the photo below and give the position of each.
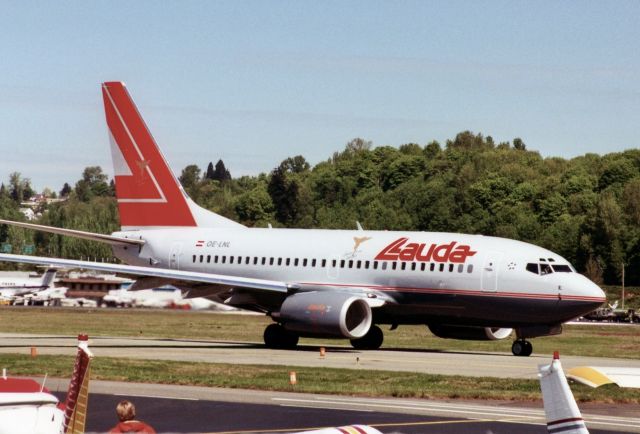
(475, 364)
(213, 410)
(173, 408)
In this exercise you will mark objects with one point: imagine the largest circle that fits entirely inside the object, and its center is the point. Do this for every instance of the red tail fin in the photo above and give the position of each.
(148, 193)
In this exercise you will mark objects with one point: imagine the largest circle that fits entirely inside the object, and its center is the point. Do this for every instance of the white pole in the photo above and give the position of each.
(623, 286)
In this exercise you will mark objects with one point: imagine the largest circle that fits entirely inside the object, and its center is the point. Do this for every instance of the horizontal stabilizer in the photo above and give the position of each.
(101, 238)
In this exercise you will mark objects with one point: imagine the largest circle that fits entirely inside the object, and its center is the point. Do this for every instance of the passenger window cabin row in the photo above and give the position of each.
(333, 263)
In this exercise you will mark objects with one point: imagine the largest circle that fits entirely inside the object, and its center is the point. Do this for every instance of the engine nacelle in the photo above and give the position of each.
(328, 314)
(469, 333)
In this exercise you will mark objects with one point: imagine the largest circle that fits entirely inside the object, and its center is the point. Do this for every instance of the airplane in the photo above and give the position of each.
(27, 407)
(11, 287)
(163, 297)
(323, 283)
(52, 296)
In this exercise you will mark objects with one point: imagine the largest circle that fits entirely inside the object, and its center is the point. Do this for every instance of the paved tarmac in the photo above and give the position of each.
(186, 409)
(502, 365)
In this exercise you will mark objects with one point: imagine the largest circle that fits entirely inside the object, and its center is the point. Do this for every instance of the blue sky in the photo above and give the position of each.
(254, 82)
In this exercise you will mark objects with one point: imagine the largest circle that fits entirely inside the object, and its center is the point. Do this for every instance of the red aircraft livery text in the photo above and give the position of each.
(399, 250)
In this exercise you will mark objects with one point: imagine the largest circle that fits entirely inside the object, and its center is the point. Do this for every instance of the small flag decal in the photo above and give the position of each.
(199, 243)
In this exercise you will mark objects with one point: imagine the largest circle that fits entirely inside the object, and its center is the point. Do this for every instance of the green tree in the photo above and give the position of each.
(255, 207)
(19, 188)
(93, 184)
(66, 190)
(519, 144)
(220, 173)
(189, 178)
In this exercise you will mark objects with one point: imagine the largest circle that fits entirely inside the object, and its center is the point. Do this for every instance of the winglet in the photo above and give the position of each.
(562, 412)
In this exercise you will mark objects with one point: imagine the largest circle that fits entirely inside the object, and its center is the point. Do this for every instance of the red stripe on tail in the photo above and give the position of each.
(147, 191)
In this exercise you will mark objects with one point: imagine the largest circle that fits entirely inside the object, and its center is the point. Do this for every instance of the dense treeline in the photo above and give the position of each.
(586, 208)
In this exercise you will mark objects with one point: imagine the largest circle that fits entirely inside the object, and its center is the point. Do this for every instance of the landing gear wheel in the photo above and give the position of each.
(522, 348)
(371, 341)
(276, 336)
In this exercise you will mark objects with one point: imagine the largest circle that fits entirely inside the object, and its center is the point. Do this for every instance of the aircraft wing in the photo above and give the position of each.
(596, 376)
(101, 238)
(162, 273)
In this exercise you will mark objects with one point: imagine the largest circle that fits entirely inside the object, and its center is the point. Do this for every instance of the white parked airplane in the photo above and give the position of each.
(335, 283)
(52, 296)
(10, 287)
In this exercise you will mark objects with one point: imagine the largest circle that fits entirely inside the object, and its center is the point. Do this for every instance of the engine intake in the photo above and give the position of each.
(469, 333)
(326, 314)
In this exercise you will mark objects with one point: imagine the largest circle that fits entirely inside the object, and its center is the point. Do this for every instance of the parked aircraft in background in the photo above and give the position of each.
(11, 287)
(329, 283)
(52, 296)
(163, 297)
(27, 407)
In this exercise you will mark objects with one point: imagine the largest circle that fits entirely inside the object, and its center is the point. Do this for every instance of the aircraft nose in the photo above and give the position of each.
(590, 291)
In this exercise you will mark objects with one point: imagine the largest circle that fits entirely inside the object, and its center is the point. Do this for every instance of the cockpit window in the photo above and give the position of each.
(561, 268)
(545, 269)
(533, 268)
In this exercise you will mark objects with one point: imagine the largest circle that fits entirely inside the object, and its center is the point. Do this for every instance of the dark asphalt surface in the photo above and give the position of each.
(201, 416)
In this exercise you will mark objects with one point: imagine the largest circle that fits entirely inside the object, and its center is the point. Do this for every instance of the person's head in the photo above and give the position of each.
(126, 410)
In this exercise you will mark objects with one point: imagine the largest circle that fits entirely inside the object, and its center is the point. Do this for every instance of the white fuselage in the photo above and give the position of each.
(13, 286)
(409, 268)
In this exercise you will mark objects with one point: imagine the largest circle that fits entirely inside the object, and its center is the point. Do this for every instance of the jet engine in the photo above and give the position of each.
(327, 314)
(469, 333)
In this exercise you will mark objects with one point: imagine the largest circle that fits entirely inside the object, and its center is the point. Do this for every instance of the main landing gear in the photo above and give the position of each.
(277, 337)
(522, 347)
(371, 341)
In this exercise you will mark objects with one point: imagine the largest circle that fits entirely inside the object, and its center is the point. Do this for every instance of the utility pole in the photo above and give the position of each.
(623, 286)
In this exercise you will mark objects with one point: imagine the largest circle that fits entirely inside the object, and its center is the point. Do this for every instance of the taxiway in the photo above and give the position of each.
(475, 364)
(215, 411)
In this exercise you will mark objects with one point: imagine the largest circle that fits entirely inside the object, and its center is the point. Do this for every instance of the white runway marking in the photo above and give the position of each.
(155, 397)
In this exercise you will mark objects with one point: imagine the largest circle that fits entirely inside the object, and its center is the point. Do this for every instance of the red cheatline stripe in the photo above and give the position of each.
(462, 292)
(360, 430)
(343, 431)
(557, 422)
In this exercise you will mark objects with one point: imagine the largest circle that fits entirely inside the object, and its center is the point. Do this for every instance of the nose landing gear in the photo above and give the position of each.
(522, 347)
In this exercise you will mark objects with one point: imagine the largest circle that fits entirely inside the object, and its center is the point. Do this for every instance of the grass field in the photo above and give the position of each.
(310, 380)
(591, 340)
(576, 340)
